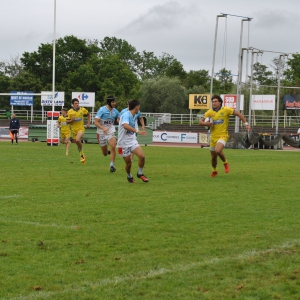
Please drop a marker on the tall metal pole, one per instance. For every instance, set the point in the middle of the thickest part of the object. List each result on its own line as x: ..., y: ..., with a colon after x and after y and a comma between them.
x: 238, y: 90
x: 53, y: 69
x: 214, y: 55
x: 251, y: 87
x: 278, y: 92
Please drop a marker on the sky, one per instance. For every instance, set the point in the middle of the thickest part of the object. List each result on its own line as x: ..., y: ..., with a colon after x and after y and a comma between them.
x: 184, y: 29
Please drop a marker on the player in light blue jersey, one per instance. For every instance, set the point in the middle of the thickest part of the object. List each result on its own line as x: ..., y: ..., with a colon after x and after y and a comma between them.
x: 137, y: 117
x: 104, y: 121
x: 127, y: 142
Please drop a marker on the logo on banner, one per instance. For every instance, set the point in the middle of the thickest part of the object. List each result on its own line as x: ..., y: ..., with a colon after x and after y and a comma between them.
x: 83, y: 96
x: 55, y: 96
x: 199, y: 101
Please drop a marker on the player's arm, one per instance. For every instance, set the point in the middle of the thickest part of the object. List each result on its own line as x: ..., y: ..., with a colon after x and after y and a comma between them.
x: 58, y: 124
x: 132, y: 129
x: 88, y: 124
x: 142, y: 123
x: 204, y: 122
x: 243, y: 119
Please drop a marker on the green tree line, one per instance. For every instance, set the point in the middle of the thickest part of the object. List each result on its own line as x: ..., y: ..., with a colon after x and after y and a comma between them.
x: 114, y: 67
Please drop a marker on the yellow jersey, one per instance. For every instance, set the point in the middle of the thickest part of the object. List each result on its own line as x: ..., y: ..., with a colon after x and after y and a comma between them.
x: 79, y: 117
x: 62, y: 121
x: 220, y: 121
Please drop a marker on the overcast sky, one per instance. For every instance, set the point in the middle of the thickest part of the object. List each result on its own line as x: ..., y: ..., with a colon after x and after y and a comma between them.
x: 182, y: 28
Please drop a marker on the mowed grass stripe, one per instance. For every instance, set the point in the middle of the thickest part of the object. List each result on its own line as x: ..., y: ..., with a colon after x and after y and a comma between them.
x: 181, y: 218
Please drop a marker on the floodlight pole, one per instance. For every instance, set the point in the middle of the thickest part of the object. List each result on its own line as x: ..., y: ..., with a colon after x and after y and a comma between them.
x: 53, y: 71
x: 251, y: 86
x: 278, y: 91
x: 238, y: 89
x: 214, y: 55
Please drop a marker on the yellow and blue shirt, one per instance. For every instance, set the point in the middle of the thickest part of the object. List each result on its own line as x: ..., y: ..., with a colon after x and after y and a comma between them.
x: 78, y: 123
x: 220, y: 121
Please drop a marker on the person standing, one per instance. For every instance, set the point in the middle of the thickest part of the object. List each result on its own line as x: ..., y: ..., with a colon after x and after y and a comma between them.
x: 219, y: 120
x: 76, y: 118
x: 127, y: 141
x: 14, y: 126
x: 104, y: 121
x: 137, y: 117
x: 65, y: 129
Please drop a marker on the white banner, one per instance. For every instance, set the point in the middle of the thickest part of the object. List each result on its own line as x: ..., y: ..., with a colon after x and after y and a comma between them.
x: 59, y: 99
x: 85, y: 99
x: 263, y: 102
x: 230, y: 100
x: 175, y: 137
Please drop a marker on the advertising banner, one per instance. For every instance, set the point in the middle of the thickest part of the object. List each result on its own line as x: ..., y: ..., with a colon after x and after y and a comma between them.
x: 85, y: 99
x: 230, y: 100
x: 59, y: 99
x: 23, y: 133
x: 263, y: 102
x: 175, y: 137
x: 19, y: 98
x: 199, y: 101
x: 291, y: 102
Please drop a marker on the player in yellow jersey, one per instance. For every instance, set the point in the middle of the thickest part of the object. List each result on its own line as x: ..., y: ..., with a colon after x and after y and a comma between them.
x: 76, y: 116
x: 65, y: 129
x: 218, y: 123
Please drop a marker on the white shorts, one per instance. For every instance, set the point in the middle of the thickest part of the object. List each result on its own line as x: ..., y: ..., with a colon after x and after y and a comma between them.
x: 104, y: 138
x: 126, y: 151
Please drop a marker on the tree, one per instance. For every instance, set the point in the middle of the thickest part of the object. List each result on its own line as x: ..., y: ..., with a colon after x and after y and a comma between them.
x: 12, y: 67
x: 293, y: 71
x: 226, y: 84
x: 197, y: 78
x: 161, y: 95
x: 70, y: 54
x: 261, y: 76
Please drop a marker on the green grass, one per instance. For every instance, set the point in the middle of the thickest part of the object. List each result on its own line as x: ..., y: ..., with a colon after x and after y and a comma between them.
x: 69, y: 231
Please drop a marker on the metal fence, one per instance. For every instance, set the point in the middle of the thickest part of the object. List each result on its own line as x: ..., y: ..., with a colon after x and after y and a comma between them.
x: 159, y: 118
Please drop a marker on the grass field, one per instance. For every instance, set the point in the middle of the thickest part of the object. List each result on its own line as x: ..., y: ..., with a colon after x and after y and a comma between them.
x: 69, y: 231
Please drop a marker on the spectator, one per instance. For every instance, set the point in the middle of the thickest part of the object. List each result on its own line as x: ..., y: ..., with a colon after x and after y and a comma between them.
x: 14, y: 127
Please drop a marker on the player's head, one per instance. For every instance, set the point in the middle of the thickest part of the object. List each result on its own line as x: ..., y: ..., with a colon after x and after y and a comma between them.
x: 134, y: 104
x: 75, y: 103
x: 64, y: 111
x: 111, y: 101
x: 217, y: 101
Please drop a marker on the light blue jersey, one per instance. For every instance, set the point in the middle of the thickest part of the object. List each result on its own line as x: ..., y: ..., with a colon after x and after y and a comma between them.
x: 136, y: 116
x: 107, y: 118
x: 125, y: 137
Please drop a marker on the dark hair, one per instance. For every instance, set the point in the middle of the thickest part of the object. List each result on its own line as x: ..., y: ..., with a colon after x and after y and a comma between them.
x: 64, y: 109
x: 133, y: 103
x: 110, y: 99
x: 218, y: 98
x: 74, y: 99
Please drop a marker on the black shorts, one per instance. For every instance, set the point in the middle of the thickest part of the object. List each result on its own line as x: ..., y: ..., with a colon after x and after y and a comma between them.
x: 14, y: 131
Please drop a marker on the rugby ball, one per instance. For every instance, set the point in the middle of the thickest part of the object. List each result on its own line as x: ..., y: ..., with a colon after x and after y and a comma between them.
x: 210, y: 120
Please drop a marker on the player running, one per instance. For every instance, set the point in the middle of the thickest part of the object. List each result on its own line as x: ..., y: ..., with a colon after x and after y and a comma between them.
x: 104, y: 121
x: 65, y: 129
x: 76, y: 116
x: 127, y: 142
x: 219, y: 131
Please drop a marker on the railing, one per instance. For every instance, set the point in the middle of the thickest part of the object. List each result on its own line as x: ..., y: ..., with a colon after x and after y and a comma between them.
x: 190, y: 119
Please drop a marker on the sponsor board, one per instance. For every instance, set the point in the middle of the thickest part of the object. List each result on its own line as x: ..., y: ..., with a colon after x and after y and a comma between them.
x: 23, y: 133
x: 85, y: 99
x: 175, y: 137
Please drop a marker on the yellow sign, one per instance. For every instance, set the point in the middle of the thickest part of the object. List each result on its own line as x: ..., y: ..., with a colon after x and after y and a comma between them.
x: 199, y: 101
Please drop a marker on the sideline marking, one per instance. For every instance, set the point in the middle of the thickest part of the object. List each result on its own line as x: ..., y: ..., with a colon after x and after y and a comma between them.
x: 39, y: 224
x: 10, y: 196
x: 151, y: 273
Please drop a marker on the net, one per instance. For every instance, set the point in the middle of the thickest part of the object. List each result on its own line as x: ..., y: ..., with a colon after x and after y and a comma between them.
x: 244, y: 140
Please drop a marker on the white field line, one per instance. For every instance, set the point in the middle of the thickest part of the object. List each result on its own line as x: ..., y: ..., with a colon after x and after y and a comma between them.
x: 83, y: 286
x: 37, y: 224
x: 10, y: 196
